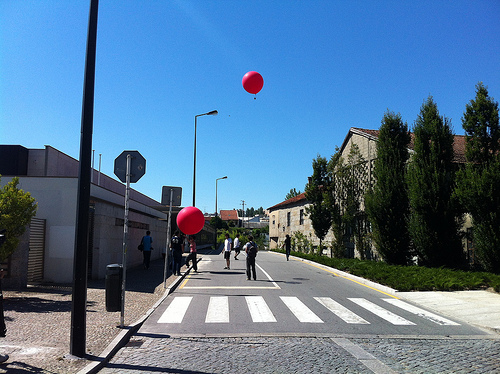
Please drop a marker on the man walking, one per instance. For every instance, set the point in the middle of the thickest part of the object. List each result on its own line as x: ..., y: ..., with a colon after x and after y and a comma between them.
x: 236, y: 246
x: 147, y: 242
x: 228, y: 246
x: 251, y: 251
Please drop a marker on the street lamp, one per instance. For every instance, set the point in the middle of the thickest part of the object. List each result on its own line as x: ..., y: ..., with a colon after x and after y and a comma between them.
x: 215, y: 240
x: 216, y: 193
x: 212, y: 113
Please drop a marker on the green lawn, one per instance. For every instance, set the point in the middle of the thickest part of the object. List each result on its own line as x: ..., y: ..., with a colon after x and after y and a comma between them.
x: 410, y: 278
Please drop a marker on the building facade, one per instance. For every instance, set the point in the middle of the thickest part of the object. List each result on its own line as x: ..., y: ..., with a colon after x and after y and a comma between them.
x: 46, y: 252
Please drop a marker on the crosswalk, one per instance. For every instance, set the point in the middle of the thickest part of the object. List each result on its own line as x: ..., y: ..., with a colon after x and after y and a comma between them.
x: 218, y: 310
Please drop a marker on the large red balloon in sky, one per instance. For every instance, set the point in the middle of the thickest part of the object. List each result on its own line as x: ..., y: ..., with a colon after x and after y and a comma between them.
x: 190, y: 220
x: 252, y: 82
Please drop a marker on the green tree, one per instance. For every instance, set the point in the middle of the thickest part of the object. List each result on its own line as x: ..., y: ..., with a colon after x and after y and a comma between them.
x: 315, y: 192
x: 293, y: 192
x: 434, y: 216
x: 387, y: 204
x: 352, y: 184
x: 478, y: 186
x: 16, y: 210
x: 332, y: 202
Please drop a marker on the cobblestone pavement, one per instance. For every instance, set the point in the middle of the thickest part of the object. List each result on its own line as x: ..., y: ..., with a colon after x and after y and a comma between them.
x: 146, y: 354
x: 38, y: 322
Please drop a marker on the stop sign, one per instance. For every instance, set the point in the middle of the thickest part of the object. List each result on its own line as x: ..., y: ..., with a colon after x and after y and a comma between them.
x: 137, y: 166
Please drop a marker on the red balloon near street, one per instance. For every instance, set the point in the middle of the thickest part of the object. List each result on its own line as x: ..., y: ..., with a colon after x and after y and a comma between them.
x: 252, y: 82
x: 190, y: 220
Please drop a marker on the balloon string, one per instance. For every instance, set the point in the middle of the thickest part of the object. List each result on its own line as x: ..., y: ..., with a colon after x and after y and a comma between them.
x: 255, y: 97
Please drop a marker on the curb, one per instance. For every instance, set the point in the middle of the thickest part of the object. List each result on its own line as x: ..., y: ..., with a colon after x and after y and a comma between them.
x: 124, y: 336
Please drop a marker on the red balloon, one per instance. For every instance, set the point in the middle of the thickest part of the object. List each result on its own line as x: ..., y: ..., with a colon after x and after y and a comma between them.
x: 252, y: 82
x: 190, y: 220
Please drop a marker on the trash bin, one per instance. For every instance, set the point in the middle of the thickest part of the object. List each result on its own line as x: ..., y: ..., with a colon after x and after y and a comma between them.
x: 114, y: 276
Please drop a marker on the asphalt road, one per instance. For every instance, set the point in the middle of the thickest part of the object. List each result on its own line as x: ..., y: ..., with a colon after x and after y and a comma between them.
x: 297, y: 317
x: 289, y: 298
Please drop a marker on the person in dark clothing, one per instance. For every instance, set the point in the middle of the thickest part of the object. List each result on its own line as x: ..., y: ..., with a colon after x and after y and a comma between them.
x: 288, y: 246
x: 176, y: 245
x: 147, y: 242
x: 251, y: 251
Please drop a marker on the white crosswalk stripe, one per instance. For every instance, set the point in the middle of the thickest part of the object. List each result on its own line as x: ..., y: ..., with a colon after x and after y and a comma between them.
x: 381, y: 312
x: 300, y: 310
x: 176, y: 310
x: 259, y: 310
x: 421, y: 312
x: 341, y: 311
x: 218, y: 310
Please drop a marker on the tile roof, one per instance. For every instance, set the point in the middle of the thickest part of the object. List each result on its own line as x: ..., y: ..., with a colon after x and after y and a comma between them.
x: 229, y: 215
x: 293, y: 200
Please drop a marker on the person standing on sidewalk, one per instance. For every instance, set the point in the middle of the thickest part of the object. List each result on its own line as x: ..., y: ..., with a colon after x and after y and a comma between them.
x: 192, y: 253
x: 176, y: 245
x: 228, y: 246
x: 236, y: 246
x: 251, y: 251
x: 288, y: 246
x: 147, y: 242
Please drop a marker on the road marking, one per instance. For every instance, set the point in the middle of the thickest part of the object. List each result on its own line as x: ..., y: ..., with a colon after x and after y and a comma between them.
x: 341, y: 311
x: 381, y: 312
x: 176, y: 310
x: 259, y: 310
x: 422, y: 313
x: 218, y: 310
x: 300, y: 310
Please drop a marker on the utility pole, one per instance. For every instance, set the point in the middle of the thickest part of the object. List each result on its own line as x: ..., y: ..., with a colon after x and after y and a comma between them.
x: 243, y: 220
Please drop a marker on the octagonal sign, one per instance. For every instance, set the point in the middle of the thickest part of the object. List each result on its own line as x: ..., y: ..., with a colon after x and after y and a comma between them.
x: 137, y: 166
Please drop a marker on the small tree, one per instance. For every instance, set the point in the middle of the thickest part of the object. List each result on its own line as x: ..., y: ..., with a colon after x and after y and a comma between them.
x: 315, y: 191
x: 293, y: 192
x: 16, y: 210
x: 387, y: 204
x: 434, y: 216
x: 479, y: 183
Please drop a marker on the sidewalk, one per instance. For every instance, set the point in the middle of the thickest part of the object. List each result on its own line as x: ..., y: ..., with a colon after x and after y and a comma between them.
x: 38, y: 322
x: 39, y: 319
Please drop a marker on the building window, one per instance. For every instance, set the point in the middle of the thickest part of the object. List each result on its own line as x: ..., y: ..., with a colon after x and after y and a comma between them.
x: 288, y: 219
x: 274, y: 221
x: 301, y: 220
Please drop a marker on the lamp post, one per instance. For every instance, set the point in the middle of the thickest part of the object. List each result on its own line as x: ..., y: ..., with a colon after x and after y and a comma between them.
x: 215, y: 241
x: 212, y: 113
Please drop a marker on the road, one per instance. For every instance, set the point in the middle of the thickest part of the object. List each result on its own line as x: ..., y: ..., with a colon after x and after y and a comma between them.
x: 296, y: 317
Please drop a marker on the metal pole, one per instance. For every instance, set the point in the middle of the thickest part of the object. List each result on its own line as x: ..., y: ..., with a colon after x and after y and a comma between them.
x: 79, y: 295
x: 168, y: 239
x: 194, y: 168
x: 125, y: 239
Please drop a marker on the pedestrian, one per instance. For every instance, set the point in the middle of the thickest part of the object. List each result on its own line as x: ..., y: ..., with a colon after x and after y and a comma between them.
x: 192, y: 253
x: 251, y: 251
x: 288, y: 246
x: 147, y: 242
x: 228, y: 246
x: 176, y: 245
x: 236, y: 246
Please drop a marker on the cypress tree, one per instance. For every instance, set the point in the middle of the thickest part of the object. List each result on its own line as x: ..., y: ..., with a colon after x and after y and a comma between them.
x: 434, y: 215
x: 387, y: 204
x: 479, y: 183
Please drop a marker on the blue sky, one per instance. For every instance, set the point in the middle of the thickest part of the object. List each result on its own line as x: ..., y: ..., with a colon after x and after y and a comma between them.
x: 327, y: 66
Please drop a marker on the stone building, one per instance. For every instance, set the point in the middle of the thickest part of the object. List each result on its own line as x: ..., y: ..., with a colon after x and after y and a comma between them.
x: 290, y: 216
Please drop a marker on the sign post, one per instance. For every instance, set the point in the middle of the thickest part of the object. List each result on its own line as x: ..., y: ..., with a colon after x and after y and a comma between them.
x: 174, y: 196
x: 130, y: 166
